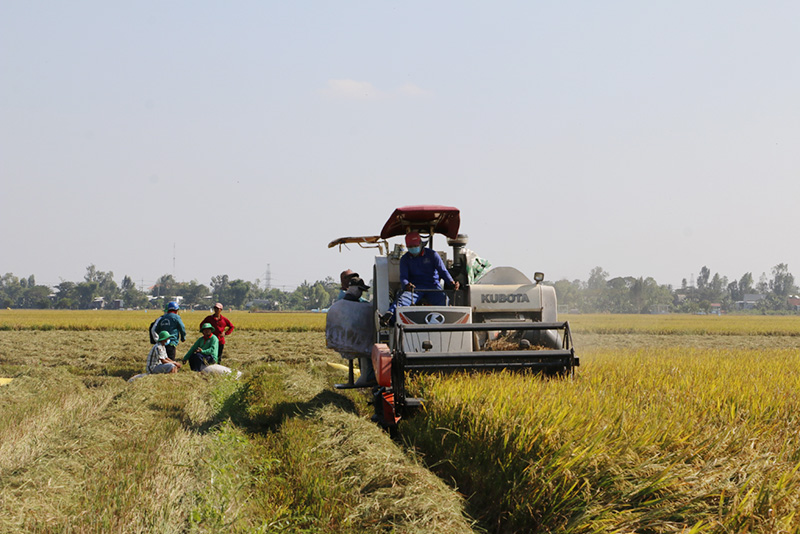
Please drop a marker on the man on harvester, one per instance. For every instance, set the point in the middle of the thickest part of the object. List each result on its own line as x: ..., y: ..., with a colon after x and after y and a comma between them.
x: 421, y: 270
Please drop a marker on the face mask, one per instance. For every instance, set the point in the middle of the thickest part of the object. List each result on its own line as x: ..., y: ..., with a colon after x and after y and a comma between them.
x: 414, y: 250
x: 355, y: 291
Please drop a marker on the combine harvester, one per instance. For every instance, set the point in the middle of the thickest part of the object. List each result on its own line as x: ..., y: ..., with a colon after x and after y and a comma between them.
x: 498, y: 319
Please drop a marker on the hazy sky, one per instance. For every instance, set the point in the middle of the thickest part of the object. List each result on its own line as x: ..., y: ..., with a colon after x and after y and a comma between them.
x: 648, y: 138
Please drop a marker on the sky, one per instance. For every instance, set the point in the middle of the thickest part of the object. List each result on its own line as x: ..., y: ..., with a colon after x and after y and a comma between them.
x: 199, y: 138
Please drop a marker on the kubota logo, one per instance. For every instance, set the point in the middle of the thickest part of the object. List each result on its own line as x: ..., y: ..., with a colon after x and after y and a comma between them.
x: 499, y: 298
x: 434, y: 318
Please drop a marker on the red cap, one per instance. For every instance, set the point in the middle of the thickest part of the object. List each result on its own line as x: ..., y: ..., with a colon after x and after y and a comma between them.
x: 218, y: 305
x: 345, y: 278
x: 413, y: 239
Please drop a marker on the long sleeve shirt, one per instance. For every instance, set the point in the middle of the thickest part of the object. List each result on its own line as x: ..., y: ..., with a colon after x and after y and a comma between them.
x: 208, y: 346
x: 222, y: 326
x: 172, y: 323
x: 424, y: 270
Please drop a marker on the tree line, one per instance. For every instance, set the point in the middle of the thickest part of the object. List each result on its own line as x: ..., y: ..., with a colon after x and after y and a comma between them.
x: 99, y: 287
x: 599, y: 294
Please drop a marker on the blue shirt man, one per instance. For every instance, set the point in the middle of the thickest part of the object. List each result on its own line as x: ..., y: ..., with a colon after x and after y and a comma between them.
x: 420, y: 268
x: 171, y: 322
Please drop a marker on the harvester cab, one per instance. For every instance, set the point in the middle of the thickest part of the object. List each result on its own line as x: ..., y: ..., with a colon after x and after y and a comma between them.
x: 497, y: 318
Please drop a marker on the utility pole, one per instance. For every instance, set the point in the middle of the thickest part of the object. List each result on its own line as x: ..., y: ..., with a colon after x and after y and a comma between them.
x: 268, y: 279
x: 173, y: 259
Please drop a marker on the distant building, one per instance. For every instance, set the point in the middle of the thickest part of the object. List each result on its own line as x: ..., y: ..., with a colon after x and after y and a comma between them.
x: 749, y: 301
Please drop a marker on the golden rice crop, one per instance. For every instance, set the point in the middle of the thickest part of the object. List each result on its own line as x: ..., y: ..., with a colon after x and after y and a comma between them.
x: 659, y: 439
x: 683, y: 324
x: 140, y: 319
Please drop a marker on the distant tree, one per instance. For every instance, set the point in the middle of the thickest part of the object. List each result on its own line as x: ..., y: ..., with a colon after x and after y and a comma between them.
x: 734, y: 294
x: 320, y: 298
x: 164, y: 286
x: 620, y: 293
x: 763, y: 284
x: 11, y: 290
x: 275, y: 299
x: 23, y: 293
x: 66, y: 304
x: 702, y: 278
x: 132, y: 297
x: 219, y: 287
x: 301, y: 297
x: 710, y: 289
x: 238, y: 292
x: 746, y: 285
x: 37, y: 297
x: 568, y: 293
x: 597, y: 278
x: 782, y: 283
x: 127, y: 283
x: 66, y: 295
x: 232, y: 293
x: 91, y: 274
x: 106, y: 287
x: 194, y: 293
x: 718, y: 284
x: 332, y: 286
x: 596, y: 294
x: 639, y: 293
x: 657, y: 297
x: 86, y: 293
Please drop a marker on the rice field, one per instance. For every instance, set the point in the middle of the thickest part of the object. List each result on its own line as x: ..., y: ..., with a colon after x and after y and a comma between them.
x: 140, y: 319
x: 678, y: 325
x: 682, y: 325
x: 681, y: 432
x: 671, y: 424
x: 650, y: 440
x: 279, y: 450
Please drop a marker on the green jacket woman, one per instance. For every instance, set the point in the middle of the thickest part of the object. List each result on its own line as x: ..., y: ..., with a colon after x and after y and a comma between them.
x: 204, y: 351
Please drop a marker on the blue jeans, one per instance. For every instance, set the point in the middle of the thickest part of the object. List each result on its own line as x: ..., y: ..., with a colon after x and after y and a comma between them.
x: 162, y: 368
x: 435, y: 297
x: 199, y: 361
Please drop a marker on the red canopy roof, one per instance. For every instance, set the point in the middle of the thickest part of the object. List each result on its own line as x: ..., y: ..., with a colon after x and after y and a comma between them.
x: 437, y: 219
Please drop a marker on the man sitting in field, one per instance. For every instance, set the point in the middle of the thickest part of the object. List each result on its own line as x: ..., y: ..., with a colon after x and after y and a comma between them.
x: 157, y: 360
